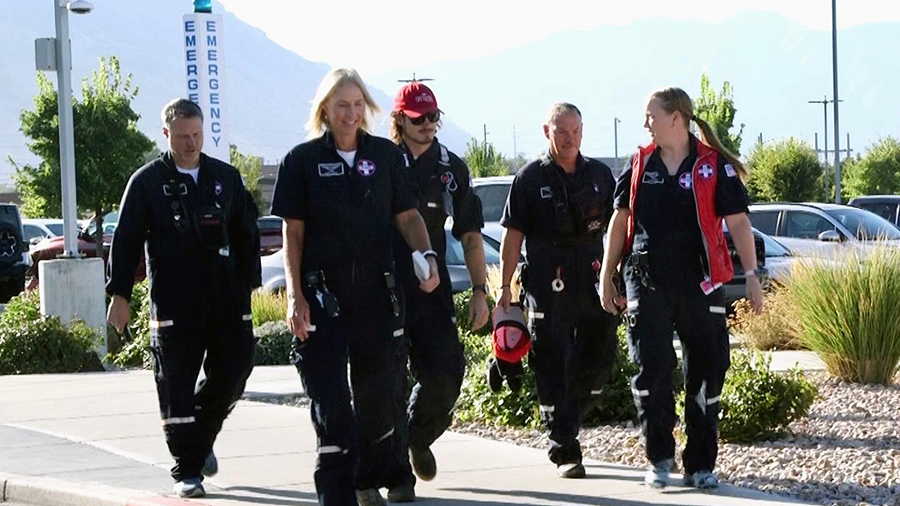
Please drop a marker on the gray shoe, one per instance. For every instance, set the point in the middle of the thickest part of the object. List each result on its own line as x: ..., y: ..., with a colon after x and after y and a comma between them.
x: 189, y: 487
x: 210, y: 465
x: 574, y: 470
x: 658, y: 476
x: 423, y: 462
x: 370, y: 497
x: 704, y: 480
x: 403, y: 493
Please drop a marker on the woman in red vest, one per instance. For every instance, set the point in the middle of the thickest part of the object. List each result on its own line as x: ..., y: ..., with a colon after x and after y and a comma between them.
x: 667, y: 227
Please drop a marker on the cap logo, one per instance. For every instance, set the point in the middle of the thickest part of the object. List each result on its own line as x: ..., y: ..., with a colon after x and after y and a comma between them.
x: 425, y: 97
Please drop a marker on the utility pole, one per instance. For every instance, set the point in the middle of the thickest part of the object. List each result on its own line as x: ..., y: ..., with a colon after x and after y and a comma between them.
x: 760, y: 138
x: 484, y: 146
x: 515, y: 149
x: 825, y: 103
x: 837, y: 138
x: 616, y: 122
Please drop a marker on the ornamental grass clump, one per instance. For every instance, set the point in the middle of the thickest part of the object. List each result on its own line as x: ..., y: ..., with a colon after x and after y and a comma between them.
x: 847, y: 310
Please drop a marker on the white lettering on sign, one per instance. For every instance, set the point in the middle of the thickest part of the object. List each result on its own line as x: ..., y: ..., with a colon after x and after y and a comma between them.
x: 205, y: 72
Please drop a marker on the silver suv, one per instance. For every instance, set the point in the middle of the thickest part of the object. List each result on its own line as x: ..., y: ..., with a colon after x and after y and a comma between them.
x: 822, y: 229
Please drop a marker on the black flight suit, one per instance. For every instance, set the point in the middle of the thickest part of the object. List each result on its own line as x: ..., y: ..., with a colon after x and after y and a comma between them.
x: 563, y: 218
x: 348, y: 211
x: 667, y: 229
x: 202, y: 247
x: 441, y: 182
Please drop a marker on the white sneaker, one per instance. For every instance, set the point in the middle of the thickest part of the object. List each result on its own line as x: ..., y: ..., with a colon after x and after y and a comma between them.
x: 658, y: 476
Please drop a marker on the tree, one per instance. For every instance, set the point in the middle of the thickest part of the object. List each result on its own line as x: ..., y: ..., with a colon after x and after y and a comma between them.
x: 786, y: 170
x: 875, y: 173
x: 250, y: 168
x: 108, y: 146
x: 483, y: 160
x: 517, y: 162
x: 718, y: 110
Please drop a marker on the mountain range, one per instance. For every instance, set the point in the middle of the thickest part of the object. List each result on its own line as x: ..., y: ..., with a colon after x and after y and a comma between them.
x: 774, y: 65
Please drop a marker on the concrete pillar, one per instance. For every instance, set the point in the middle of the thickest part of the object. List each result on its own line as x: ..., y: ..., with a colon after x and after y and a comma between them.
x: 75, y: 288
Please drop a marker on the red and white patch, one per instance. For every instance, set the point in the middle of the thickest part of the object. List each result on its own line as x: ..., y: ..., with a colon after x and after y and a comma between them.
x: 365, y: 167
x: 706, y: 171
x: 686, y: 180
x: 218, y: 188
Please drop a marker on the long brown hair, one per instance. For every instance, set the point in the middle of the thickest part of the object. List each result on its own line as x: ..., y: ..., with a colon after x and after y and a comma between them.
x: 676, y: 99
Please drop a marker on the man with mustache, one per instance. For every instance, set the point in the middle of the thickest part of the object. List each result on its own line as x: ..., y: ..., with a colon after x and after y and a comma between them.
x: 441, y: 182
x: 561, y: 203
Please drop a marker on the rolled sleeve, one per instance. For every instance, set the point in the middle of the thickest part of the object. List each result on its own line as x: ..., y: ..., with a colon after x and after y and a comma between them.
x: 517, y: 212
x: 290, y: 199
x: 468, y: 216
x: 402, y: 198
x: 622, y: 193
x: 731, y: 194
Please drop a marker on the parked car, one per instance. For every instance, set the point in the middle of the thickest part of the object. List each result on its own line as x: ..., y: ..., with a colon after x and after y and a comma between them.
x: 816, y: 229
x: 37, y: 229
x: 492, y: 191
x: 269, y: 235
x: 14, y: 260
x: 273, y: 279
x: 886, y: 206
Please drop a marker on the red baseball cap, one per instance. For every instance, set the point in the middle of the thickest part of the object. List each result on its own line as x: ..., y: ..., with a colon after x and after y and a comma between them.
x: 415, y: 99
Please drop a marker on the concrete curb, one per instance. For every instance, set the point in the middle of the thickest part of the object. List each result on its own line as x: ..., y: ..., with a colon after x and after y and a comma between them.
x: 51, y: 492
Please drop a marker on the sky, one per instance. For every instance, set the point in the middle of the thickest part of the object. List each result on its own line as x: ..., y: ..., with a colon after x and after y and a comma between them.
x: 367, y: 35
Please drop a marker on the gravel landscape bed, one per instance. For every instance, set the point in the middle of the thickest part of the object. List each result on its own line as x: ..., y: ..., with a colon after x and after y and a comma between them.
x: 846, y: 453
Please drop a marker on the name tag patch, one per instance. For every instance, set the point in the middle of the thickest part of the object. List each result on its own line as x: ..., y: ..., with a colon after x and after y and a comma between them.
x: 729, y: 170
x: 652, y: 178
x: 331, y: 169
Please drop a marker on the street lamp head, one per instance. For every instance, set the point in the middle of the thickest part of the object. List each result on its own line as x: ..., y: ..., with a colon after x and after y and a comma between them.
x: 80, y: 7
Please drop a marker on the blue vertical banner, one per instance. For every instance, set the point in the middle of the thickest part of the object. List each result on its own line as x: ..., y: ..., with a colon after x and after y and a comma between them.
x: 204, y: 60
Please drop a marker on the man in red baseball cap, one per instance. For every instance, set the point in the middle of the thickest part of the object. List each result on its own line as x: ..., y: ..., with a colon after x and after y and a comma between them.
x: 441, y: 182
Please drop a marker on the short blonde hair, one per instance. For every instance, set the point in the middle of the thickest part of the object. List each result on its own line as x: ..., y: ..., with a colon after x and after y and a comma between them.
x: 334, y: 79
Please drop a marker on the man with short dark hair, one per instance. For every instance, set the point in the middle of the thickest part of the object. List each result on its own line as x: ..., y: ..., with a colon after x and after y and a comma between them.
x: 202, y: 244
x: 561, y: 203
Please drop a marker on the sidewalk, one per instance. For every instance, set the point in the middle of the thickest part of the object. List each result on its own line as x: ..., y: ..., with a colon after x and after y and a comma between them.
x: 101, y: 430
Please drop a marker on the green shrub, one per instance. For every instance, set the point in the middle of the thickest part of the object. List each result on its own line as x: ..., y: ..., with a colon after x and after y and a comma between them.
x: 44, y: 345
x: 268, y: 307
x: 273, y: 346
x: 21, y: 309
x: 135, y: 353
x: 757, y: 403
x: 848, y: 312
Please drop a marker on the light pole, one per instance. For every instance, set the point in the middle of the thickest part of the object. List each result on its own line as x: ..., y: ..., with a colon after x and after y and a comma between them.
x: 837, y: 138
x: 61, y: 10
x: 616, y: 122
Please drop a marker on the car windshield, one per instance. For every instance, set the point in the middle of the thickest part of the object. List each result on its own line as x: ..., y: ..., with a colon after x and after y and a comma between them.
x: 455, y: 255
x: 774, y: 248
x: 493, y: 199
x: 867, y: 226
x: 56, y: 228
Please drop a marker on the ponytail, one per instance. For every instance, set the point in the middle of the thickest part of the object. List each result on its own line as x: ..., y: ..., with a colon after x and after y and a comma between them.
x: 709, y: 137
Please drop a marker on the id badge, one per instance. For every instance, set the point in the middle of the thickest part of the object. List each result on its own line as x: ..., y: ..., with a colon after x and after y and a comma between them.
x: 707, y: 286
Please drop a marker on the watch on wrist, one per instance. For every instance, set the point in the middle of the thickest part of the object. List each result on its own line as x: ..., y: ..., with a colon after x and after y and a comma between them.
x: 482, y: 288
x: 759, y: 272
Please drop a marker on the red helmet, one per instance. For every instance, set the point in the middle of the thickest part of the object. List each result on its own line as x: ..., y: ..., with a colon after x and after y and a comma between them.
x: 511, y: 338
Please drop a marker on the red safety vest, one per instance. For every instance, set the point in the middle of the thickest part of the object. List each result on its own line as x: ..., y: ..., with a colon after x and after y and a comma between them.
x: 704, y: 175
